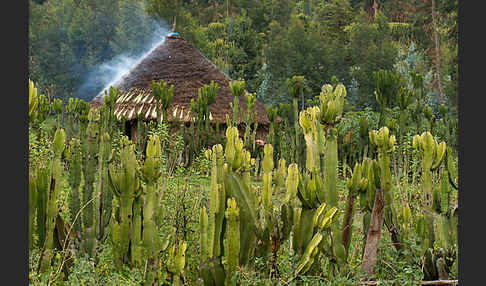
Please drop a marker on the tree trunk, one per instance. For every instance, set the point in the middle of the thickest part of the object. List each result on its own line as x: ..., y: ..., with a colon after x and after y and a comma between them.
x: 348, y: 222
x: 437, y: 52
x: 374, y: 233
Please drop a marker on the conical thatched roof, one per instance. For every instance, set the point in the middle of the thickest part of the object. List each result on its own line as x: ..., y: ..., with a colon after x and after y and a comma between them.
x: 177, y: 63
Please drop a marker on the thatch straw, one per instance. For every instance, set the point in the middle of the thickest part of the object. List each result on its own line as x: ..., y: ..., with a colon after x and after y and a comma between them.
x: 177, y: 63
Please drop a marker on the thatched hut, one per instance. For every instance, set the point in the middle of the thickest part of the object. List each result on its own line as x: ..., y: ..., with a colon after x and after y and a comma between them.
x: 178, y: 63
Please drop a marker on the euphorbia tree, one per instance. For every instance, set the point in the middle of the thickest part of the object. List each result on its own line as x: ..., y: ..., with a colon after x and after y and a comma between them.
x: 163, y: 95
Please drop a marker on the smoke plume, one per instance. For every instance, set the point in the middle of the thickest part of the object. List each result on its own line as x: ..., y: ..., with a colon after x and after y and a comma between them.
x: 109, y: 73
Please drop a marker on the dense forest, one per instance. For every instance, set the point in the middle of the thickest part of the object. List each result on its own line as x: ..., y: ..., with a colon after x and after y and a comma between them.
x: 262, y: 42
x: 354, y: 180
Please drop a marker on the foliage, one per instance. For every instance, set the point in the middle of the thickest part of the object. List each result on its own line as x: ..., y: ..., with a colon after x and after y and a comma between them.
x: 69, y: 40
x: 195, y: 214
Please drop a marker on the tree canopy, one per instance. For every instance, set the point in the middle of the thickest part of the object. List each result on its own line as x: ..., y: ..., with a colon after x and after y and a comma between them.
x: 262, y: 42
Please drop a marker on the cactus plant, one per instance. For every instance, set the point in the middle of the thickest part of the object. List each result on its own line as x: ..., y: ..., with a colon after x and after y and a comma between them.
x: 272, y: 137
x: 296, y: 86
x: 249, y: 135
x: 330, y: 113
x: 44, y: 108
x: 33, y: 101
x: 235, y: 105
x: 237, y: 87
x: 438, y: 201
x: 105, y: 198
x: 432, y: 155
x: 43, y: 183
x: 176, y: 262
x: 70, y: 122
x: 32, y: 207
x: 262, y: 228
x: 232, y: 247
x: 150, y: 174
x: 56, y: 106
x: 54, y: 190
x: 124, y: 182
x: 357, y: 184
x: 385, y: 145
x: 323, y: 223
x: 89, y: 168
x: 200, y: 108
x: 74, y: 158
x: 136, y: 242
x: 163, y: 95
x: 371, y: 171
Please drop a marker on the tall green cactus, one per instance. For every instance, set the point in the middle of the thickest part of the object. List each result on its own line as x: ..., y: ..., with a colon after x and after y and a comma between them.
x: 385, y: 145
x: 176, y: 262
x: 56, y: 106
x: 32, y: 207
x: 74, y: 158
x: 52, y: 197
x: 151, y: 171
x: 89, y: 168
x: 438, y: 201
x: 230, y: 179
x: 322, y: 223
x: 267, y: 180
x: 262, y: 228
x: 296, y: 86
x: 43, y: 183
x: 124, y: 182
x: 356, y: 184
x: 163, y: 95
x: 217, y: 201
x: 204, y: 239
x: 320, y: 134
x: 105, y: 197
x: 236, y: 179
x: 370, y: 170
x: 201, y: 109
x: 237, y: 87
x: 136, y: 242
x: 432, y: 155
x: 272, y: 137
x: 310, y: 192
x: 87, y: 157
x: 291, y: 182
x: 33, y: 101
x: 330, y: 113
x: 250, y: 118
x: 235, y: 107
x: 232, y: 247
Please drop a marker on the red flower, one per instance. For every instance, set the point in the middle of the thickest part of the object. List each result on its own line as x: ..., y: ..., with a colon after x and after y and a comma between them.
x: 260, y: 142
